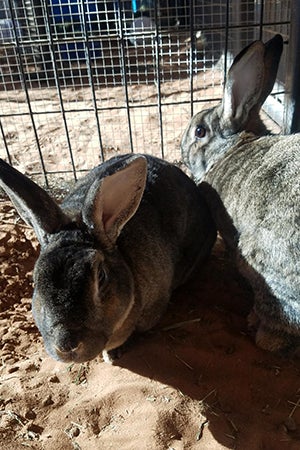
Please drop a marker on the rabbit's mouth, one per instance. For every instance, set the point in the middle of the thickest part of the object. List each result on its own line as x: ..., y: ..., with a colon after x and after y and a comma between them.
x: 80, y: 354
x: 76, y: 347
x: 72, y: 355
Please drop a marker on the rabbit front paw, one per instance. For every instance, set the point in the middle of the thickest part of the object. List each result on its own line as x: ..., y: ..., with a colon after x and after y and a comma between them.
x: 109, y: 356
x: 269, y: 340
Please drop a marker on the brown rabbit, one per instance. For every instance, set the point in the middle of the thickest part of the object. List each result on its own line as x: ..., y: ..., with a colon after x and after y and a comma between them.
x: 131, y: 231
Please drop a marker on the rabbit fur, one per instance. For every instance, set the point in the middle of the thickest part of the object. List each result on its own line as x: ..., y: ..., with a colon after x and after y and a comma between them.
x: 251, y: 181
x: 131, y: 231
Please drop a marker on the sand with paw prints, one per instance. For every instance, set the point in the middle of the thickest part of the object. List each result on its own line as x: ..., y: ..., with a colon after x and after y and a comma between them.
x: 195, y: 382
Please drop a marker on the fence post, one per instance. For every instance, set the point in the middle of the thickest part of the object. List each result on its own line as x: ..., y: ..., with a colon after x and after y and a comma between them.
x: 292, y: 96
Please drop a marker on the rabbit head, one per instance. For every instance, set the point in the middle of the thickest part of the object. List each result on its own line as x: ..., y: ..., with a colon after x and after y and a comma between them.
x: 213, y: 131
x: 74, y: 290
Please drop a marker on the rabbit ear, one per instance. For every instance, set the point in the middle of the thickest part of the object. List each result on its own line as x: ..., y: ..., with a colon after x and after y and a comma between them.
x: 250, y: 80
x: 114, y: 200
x: 273, y: 51
x: 243, y: 86
x: 33, y: 204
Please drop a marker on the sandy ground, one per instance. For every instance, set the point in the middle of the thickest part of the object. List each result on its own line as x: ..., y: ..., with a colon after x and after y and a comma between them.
x: 195, y: 382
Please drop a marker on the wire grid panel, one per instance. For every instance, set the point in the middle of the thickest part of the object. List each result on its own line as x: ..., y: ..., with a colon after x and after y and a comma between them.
x: 84, y: 80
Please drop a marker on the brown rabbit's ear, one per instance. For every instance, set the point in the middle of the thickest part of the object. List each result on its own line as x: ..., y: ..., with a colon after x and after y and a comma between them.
x: 32, y: 202
x: 249, y: 82
x: 113, y: 200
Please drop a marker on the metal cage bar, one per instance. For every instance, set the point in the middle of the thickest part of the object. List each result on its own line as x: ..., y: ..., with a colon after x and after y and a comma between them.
x: 59, y: 92
x: 91, y: 79
x: 292, y: 100
x: 25, y: 89
x: 125, y: 76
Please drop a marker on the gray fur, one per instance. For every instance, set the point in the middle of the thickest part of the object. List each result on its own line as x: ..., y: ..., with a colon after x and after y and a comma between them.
x: 130, y: 232
x: 252, y: 184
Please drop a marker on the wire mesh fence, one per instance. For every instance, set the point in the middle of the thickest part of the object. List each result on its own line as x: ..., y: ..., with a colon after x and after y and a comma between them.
x: 84, y: 80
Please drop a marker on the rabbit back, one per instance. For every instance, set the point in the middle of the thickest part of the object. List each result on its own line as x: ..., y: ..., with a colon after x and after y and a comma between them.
x: 254, y: 197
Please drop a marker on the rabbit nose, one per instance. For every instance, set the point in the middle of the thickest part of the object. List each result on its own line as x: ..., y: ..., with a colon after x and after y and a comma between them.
x: 67, y: 342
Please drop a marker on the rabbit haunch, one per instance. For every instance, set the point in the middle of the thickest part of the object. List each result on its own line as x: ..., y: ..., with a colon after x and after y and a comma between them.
x: 251, y: 182
x: 130, y: 232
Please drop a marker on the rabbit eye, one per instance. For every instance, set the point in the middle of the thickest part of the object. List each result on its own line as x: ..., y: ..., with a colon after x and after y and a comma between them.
x: 200, y: 132
x: 101, y: 276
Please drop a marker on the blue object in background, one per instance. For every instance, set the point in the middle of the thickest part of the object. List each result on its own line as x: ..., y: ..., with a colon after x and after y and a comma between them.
x: 69, y: 21
x: 140, y: 6
x: 7, y: 32
x: 134, y: 6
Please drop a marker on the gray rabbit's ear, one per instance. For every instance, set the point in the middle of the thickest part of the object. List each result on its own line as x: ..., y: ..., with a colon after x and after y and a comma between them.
x: 273, y: 51
x: 249, y: 82
x: 33, y: 204
x: 113, y: 200
x: 243, y: 86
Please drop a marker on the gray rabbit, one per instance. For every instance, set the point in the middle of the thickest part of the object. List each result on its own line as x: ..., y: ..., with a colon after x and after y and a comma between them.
x: 251, y: 181
x: 131, y: 231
